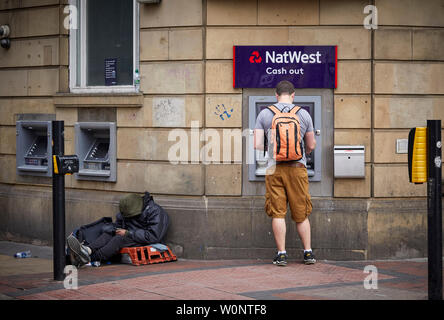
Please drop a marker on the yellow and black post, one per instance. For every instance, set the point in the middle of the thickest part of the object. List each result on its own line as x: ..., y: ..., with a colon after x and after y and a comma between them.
x: 61, y: 165
x: 418, y: 155
x: 424, y: 160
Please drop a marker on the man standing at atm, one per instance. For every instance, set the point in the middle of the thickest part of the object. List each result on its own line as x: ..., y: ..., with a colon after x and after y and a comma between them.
x: 286, y: 182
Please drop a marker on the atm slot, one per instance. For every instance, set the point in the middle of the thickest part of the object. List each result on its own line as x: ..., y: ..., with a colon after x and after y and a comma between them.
x: 94, y: 173
x: 32, y: 168
x: 96, y: 165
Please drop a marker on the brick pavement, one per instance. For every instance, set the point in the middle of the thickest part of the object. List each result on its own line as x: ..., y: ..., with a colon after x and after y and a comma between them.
x: 32, y: 279
x: 225, y: 280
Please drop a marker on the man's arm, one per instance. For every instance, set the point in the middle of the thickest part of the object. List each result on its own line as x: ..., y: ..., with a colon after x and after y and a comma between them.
x: 310, y: 142
x: 259, y: 139
x: 259, y: 133
x: 145, y: 236
x: 156, y: 224
x: 121, y: 232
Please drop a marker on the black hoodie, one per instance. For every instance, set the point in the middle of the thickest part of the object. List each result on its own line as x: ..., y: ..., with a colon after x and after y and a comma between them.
x: 149, y: 227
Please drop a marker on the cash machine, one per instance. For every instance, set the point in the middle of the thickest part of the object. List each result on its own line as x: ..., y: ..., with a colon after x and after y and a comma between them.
x: 34, y: 151
x: 96, y: 149
x: 258, y: 158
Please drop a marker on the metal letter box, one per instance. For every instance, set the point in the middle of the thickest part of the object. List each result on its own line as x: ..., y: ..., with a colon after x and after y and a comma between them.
x: 349, y: 161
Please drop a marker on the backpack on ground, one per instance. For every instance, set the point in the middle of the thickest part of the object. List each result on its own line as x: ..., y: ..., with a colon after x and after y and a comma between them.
x: 286, y: 134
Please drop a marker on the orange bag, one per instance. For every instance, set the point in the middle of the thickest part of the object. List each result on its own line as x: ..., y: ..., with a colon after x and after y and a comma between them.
x: 286, y: 134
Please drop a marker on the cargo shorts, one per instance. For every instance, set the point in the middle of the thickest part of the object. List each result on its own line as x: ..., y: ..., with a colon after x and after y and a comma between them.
x: 288, y: 185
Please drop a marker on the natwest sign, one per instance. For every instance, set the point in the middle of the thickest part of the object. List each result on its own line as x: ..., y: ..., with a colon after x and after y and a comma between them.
x: 304, y: 66
x: 292, y: 57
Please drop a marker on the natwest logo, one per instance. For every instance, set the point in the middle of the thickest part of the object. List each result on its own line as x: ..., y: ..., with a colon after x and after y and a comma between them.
x: 292, y: 57
x: 255, y: 57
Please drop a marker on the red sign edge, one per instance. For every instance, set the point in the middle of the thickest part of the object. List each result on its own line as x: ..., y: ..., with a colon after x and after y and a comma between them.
x: 336, y: 67
x: 234, y: 67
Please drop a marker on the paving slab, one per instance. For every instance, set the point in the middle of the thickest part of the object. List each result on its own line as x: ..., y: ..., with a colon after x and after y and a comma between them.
x: 32, y: 279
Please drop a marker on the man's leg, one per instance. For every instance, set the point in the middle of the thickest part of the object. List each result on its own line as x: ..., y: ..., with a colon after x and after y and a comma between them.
x: 303, y: 229
x: 111, y: 248
x: 296, y: 182
x: 279, y: 231
x: 81, y: 254
x: 100, y: 242
x: 304, y: 232
x: 276, y: 208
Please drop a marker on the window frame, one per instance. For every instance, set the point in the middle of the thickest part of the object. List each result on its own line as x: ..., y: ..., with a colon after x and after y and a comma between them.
x: 77, y: 36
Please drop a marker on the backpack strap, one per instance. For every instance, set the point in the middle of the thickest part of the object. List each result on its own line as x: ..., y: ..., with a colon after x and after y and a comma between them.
x: 295, y: 109
x: 274, y: 109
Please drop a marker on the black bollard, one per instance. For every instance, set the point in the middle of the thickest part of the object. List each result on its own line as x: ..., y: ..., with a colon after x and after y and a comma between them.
x: 434, y: 210
x: 58, y: 202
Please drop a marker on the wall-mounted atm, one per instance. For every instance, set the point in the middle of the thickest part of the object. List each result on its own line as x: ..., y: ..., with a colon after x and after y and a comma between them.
x: 256, y: 168
x: 34, y: 149
x: 96, y: 149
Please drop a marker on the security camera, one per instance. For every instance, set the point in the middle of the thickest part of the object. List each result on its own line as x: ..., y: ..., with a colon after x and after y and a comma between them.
x: 4, y: 31
x: 5, y: 43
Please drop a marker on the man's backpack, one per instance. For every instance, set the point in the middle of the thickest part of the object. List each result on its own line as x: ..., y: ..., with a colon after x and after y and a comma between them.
x: 286, y: 134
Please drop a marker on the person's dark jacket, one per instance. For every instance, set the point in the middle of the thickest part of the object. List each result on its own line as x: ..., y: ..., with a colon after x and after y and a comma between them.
x: 146, y: 228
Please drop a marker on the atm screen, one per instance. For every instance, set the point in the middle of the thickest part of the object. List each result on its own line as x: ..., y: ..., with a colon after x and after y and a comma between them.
x: 99, y: 151
x: 38, y: 148
x: 97, y: 158
x: 36, y: 155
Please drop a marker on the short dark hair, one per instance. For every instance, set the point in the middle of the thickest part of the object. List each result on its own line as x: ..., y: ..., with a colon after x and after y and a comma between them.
x: 284, y: 86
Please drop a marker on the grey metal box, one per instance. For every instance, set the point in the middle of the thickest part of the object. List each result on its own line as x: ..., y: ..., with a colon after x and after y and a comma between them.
x: 349, y: 161
x: 96, y: 149
x: 34, y: 148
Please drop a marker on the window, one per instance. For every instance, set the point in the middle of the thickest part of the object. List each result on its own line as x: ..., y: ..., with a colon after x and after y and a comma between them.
x: 104, y: 47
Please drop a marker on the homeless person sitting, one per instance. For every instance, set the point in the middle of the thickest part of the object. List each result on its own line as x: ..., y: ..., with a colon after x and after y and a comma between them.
x: 140, y: 222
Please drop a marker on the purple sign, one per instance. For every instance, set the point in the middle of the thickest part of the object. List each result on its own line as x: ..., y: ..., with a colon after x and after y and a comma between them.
x: 304, y: 66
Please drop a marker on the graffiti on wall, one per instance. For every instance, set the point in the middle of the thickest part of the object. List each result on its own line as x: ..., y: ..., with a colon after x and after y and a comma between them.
x: 223, y: 112
x: 169, y: 112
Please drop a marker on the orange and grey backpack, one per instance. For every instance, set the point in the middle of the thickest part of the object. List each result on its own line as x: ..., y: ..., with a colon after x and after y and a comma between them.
x: 286, y: 134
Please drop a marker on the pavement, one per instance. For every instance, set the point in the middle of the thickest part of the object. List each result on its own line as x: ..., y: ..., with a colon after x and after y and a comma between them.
x: 32, y: 279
